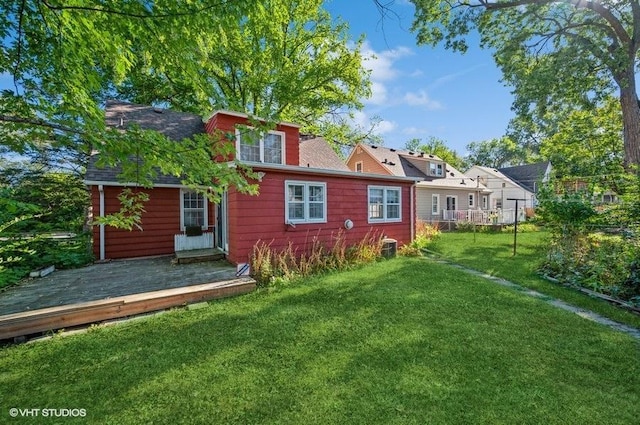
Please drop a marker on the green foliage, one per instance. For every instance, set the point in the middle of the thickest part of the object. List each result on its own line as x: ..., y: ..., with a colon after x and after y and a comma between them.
x: 581, y: 255
x: 557, y: 56
x: 406, y: 341
x: 497, y: 153
x: 588, y: 143
x: 60, y: 200
x: 32, y: 205
x: 437, y: 147
x: 130, y: 213
x: 426, y: 234
x: 280, y: 60
x: 522, y: 228
x: 269, y: 267
x: 492, y: 253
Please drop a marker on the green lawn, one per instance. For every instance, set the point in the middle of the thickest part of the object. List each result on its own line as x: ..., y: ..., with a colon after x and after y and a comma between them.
x: 398, y: 342
x: 493, y: 253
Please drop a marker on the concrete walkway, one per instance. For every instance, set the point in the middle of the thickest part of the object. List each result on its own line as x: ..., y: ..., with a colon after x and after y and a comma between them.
x: 587, y: 314
x: 109, y: 280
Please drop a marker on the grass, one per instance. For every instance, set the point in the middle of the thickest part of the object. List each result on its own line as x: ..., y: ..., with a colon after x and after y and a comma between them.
x: 404, y: 341
x: 492, y: 253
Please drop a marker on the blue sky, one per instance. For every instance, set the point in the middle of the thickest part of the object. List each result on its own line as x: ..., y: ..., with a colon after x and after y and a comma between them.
x: 420, y: 91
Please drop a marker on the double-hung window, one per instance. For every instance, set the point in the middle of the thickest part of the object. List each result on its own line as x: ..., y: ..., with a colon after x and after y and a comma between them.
x: 193, y: 208
x: 253, y: 146
x: 435, y: 204
x: 436, y: 169
x: 384, y: 204
x: 306, y: 202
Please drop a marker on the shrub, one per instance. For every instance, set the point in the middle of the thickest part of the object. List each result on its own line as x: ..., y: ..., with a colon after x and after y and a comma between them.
x: 270, y: 267
x: 426, y: 234
x: 525, y: 227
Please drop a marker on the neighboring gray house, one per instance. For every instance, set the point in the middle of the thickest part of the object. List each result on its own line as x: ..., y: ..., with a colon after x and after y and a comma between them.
x: 521, y: 182
x: 442, y: 194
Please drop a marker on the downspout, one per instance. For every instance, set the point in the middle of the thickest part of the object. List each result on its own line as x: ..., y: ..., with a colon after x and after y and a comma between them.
x: 102, y: 252
x: 413, y: 213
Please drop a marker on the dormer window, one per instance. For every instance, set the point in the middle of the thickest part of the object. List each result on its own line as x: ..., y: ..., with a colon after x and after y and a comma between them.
x: 436, y: 169
x: 253, y: 146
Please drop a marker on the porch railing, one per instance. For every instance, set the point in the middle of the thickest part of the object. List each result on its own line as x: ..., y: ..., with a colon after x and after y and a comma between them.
x: 499, y: 216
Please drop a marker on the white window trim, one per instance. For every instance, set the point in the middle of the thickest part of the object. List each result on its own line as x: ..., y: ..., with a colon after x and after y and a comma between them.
x: 436, y: 204
x: 283, y: 159
x: 471, y: 200
x: 436, y: 165
x: 306, y: 185
x: 384, y: 203
x: 485, y: 202
x: 361, y: 164
x: 205, y: 222
x: 455, y: 201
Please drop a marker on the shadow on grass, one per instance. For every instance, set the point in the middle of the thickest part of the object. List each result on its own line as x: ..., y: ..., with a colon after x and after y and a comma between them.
x: 392, y: 342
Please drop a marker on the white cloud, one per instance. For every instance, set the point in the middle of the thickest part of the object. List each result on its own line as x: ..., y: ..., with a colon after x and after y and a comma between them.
x: 384, y: 127
x: 378, y: 94
x: 364, y: 122
x: 421, y: 98
x: 382, y: 67
x: 415, y: 131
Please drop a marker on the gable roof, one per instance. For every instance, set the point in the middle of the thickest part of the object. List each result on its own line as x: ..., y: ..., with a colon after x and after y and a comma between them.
x: 175, y: 125
x: 528, y: 175
x: 455, y: 180
x: 397, y: 162
x: 316, y: 153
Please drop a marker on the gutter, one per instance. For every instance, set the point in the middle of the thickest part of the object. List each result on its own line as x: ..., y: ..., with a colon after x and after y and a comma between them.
x: 102, y: 242
x: 413, y: 212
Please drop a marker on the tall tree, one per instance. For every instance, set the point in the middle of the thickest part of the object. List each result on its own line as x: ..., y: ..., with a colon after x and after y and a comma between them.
x: 496, y: 153
x: 437, y: 147
x: 556, y: 54
x: 67, y: 58
x: 284, y: 60
x: 588, y: 145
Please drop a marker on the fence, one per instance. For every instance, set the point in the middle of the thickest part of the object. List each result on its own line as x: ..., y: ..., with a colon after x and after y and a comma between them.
x: 498, y: 216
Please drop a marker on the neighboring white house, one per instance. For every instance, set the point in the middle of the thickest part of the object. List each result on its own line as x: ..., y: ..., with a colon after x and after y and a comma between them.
x: 520, y: 182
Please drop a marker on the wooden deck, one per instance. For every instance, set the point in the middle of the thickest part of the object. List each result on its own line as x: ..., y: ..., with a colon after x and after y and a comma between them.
x: 66, y: 316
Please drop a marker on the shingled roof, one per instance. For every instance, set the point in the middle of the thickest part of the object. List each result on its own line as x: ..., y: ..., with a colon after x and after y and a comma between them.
x: 528, y: 175
x: 316, y: 153
x: 175, y: 125
x: 397, y: 162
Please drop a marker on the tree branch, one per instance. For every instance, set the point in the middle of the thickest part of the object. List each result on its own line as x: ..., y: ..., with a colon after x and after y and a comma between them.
x: 593, y: 5
x: 135, y: 15
x: 39, y: 123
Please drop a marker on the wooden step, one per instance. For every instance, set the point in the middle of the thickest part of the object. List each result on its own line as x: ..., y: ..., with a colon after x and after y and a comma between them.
x: 199, y: 255
x: 53, y: 318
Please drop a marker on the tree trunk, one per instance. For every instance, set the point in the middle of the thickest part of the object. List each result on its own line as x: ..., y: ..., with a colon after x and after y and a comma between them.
x: 630, y: 121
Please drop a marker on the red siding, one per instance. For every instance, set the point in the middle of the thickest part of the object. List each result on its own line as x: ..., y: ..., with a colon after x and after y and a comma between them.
x: 160, y: 222
x: 227, y: 123
x: 254, y: 218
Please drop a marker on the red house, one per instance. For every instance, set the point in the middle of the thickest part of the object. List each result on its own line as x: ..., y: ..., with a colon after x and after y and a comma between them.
x: 306, y: 193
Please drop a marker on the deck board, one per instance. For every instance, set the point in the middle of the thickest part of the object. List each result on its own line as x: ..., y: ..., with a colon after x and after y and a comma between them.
x: 54, y: 318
